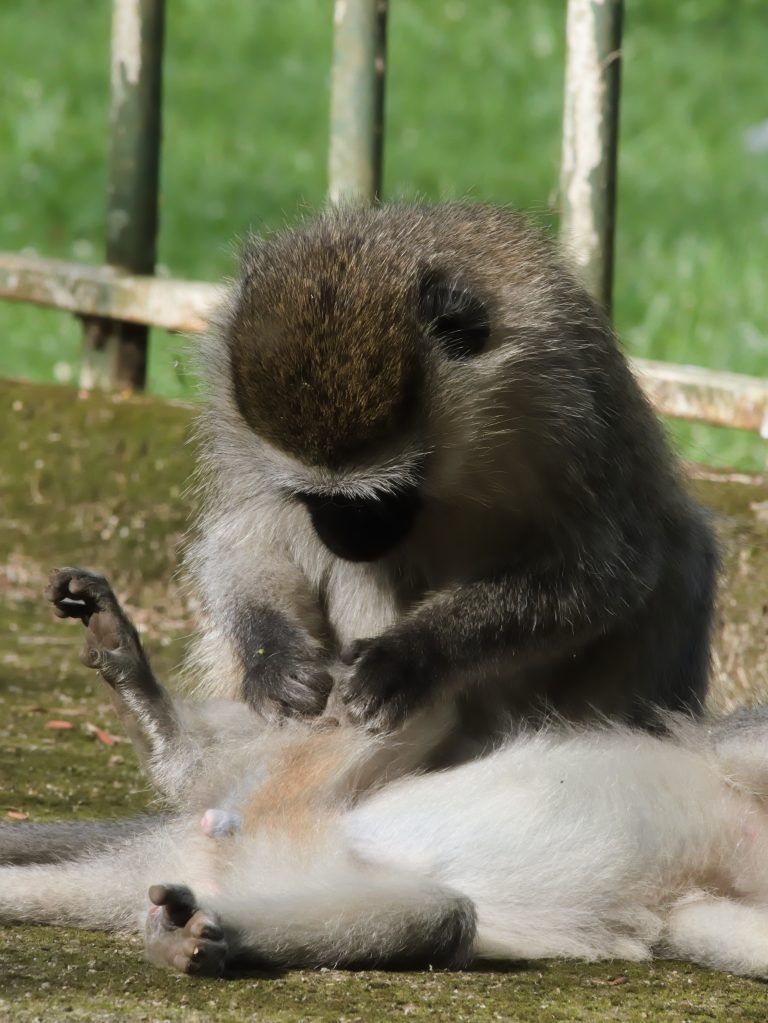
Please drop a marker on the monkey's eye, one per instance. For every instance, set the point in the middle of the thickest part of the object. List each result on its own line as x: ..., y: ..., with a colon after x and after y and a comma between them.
x: 455, y: 317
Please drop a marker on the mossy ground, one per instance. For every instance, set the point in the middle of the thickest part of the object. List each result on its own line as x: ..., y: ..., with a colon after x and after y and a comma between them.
x: 101, y: 481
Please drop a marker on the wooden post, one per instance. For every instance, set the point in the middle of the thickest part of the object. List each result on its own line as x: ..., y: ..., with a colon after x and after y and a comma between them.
x: 357, y: 100
x: 115, y: 352
x: 590, y: 140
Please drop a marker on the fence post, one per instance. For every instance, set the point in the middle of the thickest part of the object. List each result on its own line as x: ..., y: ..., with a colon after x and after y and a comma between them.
x: 357, y: 100
x: 115, y: 352
x: 590, y: 140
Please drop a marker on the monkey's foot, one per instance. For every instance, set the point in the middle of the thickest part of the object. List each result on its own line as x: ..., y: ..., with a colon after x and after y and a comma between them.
x: 112, y: 644
x: 181, y: 936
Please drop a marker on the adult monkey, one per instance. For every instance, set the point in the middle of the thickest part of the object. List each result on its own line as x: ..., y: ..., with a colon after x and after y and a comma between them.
x: 428, y: 461
x: 432, y: 478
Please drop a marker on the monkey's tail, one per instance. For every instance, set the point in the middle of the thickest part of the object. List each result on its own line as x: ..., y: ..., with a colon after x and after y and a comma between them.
x: 60, y: 841
x: 105, y: 891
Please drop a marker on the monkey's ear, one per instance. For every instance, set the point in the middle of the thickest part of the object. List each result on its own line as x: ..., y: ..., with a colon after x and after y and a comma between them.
x: 454, y: 315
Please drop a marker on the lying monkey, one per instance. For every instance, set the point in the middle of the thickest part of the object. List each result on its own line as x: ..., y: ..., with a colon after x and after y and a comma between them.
x: 309, y: 845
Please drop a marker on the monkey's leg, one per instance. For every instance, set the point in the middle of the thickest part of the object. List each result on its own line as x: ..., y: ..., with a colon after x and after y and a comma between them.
x: 113, y: 648
x: 69, y: 840
x: 359, y: 918
x: 719, y: 933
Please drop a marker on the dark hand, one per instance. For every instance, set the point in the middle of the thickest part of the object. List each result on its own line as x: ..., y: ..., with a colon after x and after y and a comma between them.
x: 388, y: 679
x: 285, y: 671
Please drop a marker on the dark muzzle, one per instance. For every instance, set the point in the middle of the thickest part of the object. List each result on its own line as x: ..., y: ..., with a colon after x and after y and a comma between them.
x: 362, y: 529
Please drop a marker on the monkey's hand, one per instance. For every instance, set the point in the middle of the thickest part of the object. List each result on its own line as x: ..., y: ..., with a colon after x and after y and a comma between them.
x: 284, y: 670
x: 386, y: 680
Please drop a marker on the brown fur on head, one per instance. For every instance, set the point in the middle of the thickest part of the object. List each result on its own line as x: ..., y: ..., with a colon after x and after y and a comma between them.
x: 335, y: 323
x: 326, y: 363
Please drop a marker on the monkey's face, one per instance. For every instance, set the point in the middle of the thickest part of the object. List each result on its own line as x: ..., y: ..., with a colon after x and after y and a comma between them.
x: 336, y: 343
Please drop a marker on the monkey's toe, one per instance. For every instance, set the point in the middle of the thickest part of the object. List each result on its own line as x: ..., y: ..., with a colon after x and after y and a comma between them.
x: 181, y: 936
x: 78, y: 593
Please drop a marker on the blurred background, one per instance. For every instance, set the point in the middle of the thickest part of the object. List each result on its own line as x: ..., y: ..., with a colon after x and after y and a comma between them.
x: 474, y: 107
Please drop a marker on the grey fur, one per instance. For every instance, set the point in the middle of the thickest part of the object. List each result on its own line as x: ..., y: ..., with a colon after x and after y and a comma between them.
x: 555, y: 561
x: 67, y: 840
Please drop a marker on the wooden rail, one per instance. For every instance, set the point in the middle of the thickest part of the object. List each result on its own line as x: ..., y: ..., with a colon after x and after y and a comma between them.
x: 107, y: 293
x: 685, y: 392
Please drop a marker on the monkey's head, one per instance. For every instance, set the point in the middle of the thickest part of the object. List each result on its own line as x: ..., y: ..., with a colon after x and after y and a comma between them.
x: 353, y: 346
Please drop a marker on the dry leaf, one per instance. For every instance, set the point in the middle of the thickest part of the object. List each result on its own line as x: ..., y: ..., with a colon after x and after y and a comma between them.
x: 17, y: 815
x: 59, y: 726
x: 101, y: 735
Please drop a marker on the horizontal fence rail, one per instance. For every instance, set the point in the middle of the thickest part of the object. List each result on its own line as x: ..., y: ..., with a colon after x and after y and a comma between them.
x: 683, y: 392
x: 107, y: 292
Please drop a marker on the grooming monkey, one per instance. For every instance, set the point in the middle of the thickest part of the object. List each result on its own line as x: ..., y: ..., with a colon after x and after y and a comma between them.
x: 432, y: 479
x: 573, y: 843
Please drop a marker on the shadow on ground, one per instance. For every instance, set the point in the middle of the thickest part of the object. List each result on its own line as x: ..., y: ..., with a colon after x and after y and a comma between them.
x: 102, y: 482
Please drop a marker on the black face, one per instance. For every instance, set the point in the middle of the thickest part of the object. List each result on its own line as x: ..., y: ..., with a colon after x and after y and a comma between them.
x: 362, y: 529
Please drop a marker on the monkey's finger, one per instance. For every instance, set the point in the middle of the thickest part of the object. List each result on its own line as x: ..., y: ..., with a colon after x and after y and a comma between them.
x: 202, y: 926
x: 58, y: 583
x: 69, y: 608
x: 182, y: 963
x: 67, y: 603
x: 92, y: 583
x: 178, y: 901
x: 204, y: 958
x: 90, y: 656
x: 353, y: 650
x: 326, y: 723
x: 62, y: 582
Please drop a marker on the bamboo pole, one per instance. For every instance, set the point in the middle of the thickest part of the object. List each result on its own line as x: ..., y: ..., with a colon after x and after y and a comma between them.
x: 358, y: 79
x: 590, y: 141
x: 115, y: 352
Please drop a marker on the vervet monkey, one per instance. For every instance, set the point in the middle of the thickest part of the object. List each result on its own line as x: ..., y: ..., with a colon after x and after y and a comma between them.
x: 432, y: 478
x: 284, y: 849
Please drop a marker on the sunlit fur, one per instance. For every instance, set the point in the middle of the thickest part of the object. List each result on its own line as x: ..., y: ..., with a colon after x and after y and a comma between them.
x: 548, y: 492
x: 587, y: 843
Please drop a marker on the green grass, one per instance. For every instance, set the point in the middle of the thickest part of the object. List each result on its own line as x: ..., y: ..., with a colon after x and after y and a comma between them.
x: 474, y: 107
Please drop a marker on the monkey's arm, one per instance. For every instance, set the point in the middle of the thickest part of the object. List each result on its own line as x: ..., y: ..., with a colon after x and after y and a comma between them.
x: 511, y: 620
x: 265, y: 639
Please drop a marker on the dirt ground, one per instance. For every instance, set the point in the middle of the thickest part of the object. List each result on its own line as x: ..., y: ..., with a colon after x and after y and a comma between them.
x: 104, y: 482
